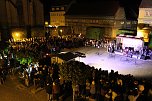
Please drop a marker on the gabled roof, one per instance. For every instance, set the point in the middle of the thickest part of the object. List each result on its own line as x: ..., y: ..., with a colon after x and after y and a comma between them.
x: 101, y: 8
x: 146, y: 4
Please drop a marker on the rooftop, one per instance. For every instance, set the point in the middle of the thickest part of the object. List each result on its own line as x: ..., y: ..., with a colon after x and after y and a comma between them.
x: 146, y: 4
x: 101, y: 8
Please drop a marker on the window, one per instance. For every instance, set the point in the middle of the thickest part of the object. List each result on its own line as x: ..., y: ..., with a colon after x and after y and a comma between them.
x: 134, y: 22
x: 62, y: 8
x: 57, y: 8
x: 146, y: 13
x: 128, y: 22
x: 53, y: 9
x: 97, y: 21
x: 122, y: 22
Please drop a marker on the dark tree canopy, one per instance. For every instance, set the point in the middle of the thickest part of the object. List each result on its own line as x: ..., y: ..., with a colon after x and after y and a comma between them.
x: 76, y: 72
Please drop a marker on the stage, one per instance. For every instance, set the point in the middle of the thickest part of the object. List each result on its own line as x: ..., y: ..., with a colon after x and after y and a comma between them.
x: 100, y: 58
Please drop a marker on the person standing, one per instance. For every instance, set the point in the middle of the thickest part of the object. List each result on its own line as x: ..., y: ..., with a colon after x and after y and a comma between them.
x: 49, y: 91
x: 92, y: 89
x: 88, y: 88
x: 55, y: 91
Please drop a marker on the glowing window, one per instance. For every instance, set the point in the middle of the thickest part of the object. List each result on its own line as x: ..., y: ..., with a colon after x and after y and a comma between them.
x: 122, y: 22
x: 62, y: 8
x: 57, y: 8
x: 147, y: 13
x: 53, y: 9
x: 128, y: 22
x: 135, y: 22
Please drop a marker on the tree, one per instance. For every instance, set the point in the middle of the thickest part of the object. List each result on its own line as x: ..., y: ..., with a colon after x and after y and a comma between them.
x: 26, y: 56
x: 75, y: 72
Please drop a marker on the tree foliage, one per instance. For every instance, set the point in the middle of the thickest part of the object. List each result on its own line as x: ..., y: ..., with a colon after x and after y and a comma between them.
x: 75, y: 71
x: 27, y: 56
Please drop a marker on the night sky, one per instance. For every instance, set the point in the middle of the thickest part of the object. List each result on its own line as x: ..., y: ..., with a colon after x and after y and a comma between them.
x: 131, y: 7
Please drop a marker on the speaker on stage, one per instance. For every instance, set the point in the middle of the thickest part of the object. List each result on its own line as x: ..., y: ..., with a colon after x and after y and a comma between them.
x: 147, y: 57
x: 144, y: 57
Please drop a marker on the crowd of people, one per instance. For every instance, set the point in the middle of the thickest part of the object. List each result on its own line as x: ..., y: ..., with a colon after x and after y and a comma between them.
x: 49, y: 44
x: 101, y: 86
x: 97, y: 43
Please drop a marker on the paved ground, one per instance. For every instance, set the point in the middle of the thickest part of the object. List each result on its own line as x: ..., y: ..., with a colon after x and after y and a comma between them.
x: 99, y: 58
x: 13, y: 90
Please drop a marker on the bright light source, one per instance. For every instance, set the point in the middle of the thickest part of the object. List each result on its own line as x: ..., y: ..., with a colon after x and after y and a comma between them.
x: 46, y: 23
x: 18, y: 35
x: 56, y: 26
x: 50, y: 25
x: 80, y: 35
x: 61, y: 30
x: 140, y: 33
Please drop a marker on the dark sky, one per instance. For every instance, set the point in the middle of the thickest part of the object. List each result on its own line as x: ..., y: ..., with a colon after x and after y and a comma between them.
x: 131, y: 7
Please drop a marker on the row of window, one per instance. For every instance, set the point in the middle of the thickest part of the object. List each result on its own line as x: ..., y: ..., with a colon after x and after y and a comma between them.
x: 148, y: 13
x: 88, y: 21
x: 123, y: 26
x: 57, y: 8
x: 56, y: 20
x: 57, y: 14
x: 101, y: 21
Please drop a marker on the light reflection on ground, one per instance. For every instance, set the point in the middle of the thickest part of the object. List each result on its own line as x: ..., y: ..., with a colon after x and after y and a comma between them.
x: 99, y: 58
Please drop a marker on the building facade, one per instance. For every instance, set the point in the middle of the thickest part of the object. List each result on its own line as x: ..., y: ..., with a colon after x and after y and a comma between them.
x: 21, y: 18
x: 57, y: 16
x: 145, y: 20
x: 145, y: 12
x: 96, y: 20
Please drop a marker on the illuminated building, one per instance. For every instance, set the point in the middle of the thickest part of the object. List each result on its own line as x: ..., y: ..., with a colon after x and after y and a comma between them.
x: 57, y: 13
x: 57, y: 16
x: 21, y: 16
x: 145, y: 12
x: 98, y: 20
x: 145, y: 20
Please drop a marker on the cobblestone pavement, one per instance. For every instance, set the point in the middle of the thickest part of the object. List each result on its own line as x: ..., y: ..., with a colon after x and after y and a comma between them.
x: 13, y: 90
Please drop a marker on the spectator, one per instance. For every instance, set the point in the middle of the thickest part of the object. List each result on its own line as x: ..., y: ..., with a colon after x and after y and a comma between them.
x: 88, y: 85
x: 76, y: 90
x: 93, y: 90
x: 56, y: 91
x: 49, y: 91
